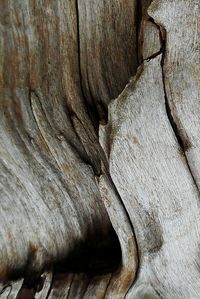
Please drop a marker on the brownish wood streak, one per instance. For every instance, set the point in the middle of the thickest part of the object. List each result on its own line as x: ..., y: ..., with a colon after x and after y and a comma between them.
x: 40, y: 62
x: 108, y: 50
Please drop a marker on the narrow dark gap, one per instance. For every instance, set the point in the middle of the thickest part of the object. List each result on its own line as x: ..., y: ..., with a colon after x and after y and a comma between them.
x: 182, y: 143
x: 168, y: 110
x: 138, y: 20
x: 163, y: 36
x: 91, y: 109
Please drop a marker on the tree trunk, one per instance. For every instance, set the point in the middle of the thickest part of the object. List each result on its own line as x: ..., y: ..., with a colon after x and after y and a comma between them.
x: 100, y: 150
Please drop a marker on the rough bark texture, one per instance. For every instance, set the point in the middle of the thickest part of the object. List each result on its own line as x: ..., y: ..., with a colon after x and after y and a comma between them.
x: 99, y: 182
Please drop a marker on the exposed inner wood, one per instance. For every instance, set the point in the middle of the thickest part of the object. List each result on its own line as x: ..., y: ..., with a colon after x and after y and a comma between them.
x: 95, y: 206
x: 181, y: 76
x: 147, y: 153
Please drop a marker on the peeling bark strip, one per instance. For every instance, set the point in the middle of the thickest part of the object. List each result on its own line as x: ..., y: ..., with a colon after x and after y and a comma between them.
x: 84, y: 208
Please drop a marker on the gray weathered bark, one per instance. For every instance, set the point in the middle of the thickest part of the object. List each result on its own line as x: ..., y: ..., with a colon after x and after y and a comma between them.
x: 99, y: 151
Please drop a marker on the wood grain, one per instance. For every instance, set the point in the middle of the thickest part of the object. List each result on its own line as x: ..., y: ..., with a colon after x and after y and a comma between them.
x: 181, y: 72
x: 102, y: 210
x: 50, y: 152
x: 108, y: 49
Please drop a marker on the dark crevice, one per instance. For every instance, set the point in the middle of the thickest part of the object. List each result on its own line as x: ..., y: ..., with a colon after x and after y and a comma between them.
x: 68, y: 294
x: 138, y: 21
x: 51, y: 285
x: 153, y: 56
x: 182, y: 143
x: 91, y: 109
x: 167, y: 105
x: 105, y: 293
x: 97, y: 256
x: 31, y: 285
x: 4, y: 288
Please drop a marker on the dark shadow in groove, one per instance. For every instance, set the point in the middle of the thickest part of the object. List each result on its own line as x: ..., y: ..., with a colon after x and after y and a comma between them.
x: 96, y: 257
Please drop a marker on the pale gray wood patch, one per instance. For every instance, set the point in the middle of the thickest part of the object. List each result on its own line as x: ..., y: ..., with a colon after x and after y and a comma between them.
x: 181, y: 21
x: 151, y: 39
x: 10, y: 290
x: 155, y: 184
x: 149, y: 43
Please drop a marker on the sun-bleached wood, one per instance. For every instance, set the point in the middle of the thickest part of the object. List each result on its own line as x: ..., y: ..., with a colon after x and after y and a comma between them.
x: 155, y: 178
x: 181, y: 72
x: 68, y: 181
x: 156, y: 186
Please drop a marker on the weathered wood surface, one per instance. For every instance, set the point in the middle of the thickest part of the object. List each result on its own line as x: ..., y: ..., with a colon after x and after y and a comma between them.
x: 50, y: 153
x: 10, y: 290
x: 73, y: 192
x: 152, y: 161
x: 163, y: 201
x: 182, y: 71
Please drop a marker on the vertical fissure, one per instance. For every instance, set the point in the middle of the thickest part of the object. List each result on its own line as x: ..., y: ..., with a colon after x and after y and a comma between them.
x: 138, y: 20
x: 180, y: 140
x: 79, y: 46
x: 91, y: 110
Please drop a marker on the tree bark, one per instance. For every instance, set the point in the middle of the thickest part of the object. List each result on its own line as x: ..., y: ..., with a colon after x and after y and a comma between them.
x: 99, y: 151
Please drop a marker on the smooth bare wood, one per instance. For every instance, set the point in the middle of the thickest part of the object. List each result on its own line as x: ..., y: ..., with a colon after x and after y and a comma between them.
x: 151, y: 40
